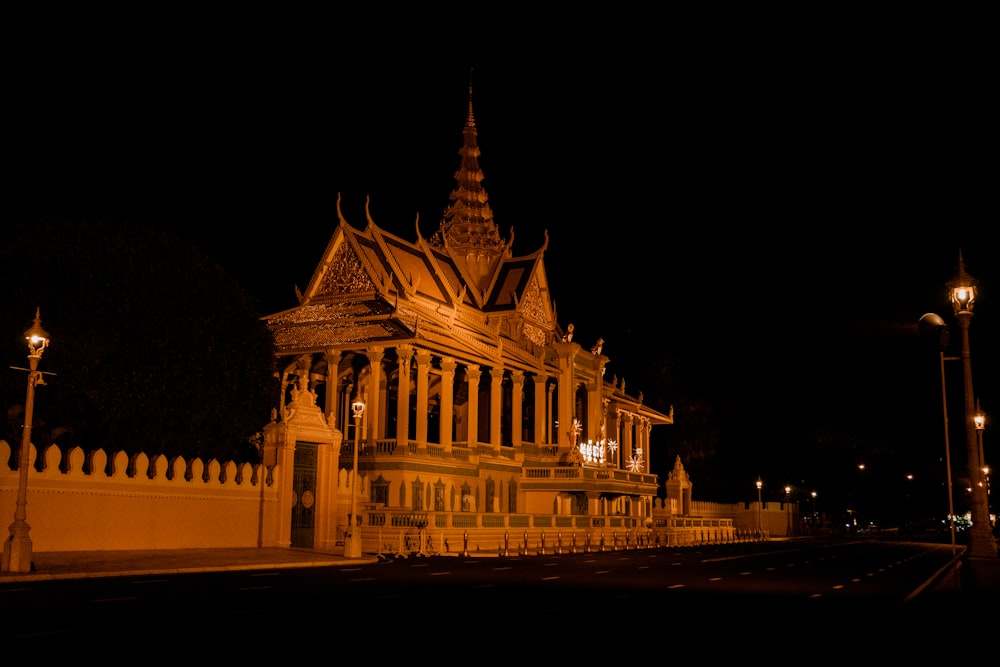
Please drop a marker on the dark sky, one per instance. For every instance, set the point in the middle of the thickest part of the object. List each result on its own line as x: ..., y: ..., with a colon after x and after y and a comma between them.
x: 776, y: 199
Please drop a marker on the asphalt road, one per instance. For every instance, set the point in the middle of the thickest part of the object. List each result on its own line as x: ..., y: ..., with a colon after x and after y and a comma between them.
x: 800, y: 591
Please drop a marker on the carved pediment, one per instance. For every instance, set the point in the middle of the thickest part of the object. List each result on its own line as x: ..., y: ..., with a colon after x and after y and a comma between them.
x: 344, y: 275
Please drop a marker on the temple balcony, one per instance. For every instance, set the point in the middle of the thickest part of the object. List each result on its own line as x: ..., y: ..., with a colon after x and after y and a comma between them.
x: 543, y: 471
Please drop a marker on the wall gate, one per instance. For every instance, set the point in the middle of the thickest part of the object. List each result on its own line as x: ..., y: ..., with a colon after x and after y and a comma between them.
x: 304, y: 495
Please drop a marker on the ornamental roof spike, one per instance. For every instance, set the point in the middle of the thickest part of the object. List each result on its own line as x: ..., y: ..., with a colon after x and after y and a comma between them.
x: 468, y: 221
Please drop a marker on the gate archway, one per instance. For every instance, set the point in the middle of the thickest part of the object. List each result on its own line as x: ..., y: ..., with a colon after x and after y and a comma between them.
x: 304, y: 496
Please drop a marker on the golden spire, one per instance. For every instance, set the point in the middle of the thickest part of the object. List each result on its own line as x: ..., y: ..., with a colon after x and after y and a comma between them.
x: 467, y: 228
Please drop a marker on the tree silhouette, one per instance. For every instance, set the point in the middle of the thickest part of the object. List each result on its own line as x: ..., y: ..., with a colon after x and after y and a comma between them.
x: 154, y: 348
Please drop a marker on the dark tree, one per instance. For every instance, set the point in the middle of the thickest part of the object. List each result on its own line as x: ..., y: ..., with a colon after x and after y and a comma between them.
x: 154, y: 348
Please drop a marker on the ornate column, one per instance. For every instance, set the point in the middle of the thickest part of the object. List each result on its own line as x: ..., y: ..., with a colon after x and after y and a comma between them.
x: 473, y: 374
x: 496, y: 404
x: 279, y: 462
x: 550, y: 389
x: 423, y: 366
x: 567, y: 392
x: 345, y: 403
x: 447, y: 400
x: 517, y: 398
x: 628, y: 444
x: 647, y: 428
x: 282, y: 394
x: 540, y: 397
x: 374, y: 409
x: 404, y: 354
x: 595, y: 400
x: 615, y: 433
x: 332, y: 358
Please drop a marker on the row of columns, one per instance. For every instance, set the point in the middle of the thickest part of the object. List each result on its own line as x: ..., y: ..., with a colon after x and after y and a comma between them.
x: 631, y: 430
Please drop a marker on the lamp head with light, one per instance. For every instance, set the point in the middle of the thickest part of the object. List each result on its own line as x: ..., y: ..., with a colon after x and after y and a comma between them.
x: 359, y: 408
x: 37, y: 337
x: 963, y: 290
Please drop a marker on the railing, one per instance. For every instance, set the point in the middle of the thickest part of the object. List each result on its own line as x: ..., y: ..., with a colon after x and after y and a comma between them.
x: 522, y: 534
x: 392, y: 447
x: 532, y: 449
x: 379, y: 516
x: 463, y: 451
x: 590, y: 473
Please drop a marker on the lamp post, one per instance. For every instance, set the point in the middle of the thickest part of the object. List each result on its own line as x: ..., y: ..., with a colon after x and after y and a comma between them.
x: 352, y: 542
x: 17, y: 548
x: 963, y: 298
x: 788, y: 511
x: 935, y: 331
x: 814, y: 517
x: 980, y: 421
x: 760, y: 484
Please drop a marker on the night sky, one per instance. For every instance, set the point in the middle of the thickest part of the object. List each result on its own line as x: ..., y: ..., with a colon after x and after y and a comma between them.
x: 775, y: 200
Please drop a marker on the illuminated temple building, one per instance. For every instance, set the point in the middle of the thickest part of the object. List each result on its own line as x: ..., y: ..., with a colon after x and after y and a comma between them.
x: 483, y: 418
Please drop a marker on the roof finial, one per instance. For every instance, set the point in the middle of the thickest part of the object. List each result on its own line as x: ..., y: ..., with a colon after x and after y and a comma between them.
x: 470, y: 121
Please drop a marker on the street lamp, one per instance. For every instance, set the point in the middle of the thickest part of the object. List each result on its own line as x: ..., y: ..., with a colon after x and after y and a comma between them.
x: 935, y: 331
x: 814, y: 517
x: 17, y: 548
x: 788, y: 511
x: 963, y: 298
x: 760, y: 484
x: 352, y: 542
x: 980, y: 421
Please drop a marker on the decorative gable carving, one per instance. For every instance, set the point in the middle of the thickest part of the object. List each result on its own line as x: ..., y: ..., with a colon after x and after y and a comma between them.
x: 533, y: 305
x: 344, y: 275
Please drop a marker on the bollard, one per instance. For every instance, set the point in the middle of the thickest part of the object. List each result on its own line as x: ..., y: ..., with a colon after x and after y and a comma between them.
x: 506, y: 543
x: 542, y: 551
x: 465, y: 541
x: 572, y: 548
x: 559, y: 542
x: 602, y: 540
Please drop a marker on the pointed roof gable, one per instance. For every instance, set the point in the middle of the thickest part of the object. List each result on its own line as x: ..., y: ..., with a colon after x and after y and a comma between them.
x: 460, y: 291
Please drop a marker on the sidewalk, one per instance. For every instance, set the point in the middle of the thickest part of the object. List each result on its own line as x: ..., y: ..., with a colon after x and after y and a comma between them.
x: 86, y: 564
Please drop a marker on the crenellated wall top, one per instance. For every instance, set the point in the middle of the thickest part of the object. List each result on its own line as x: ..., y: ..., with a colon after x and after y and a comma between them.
x: 121, y: 466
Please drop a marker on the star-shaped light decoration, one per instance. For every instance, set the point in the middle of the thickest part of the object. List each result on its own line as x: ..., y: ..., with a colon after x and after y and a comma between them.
x: 635, y: 463
x: 613, y: 446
